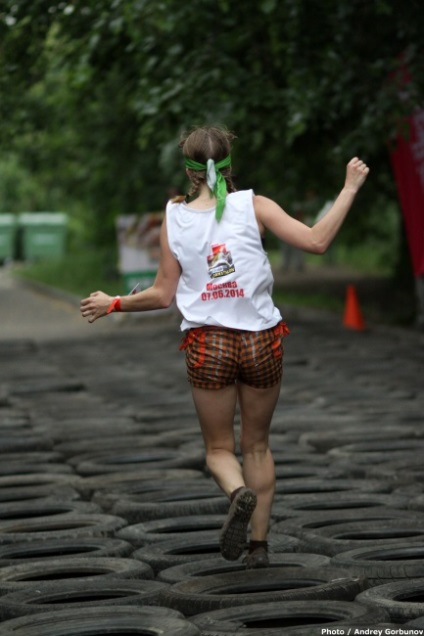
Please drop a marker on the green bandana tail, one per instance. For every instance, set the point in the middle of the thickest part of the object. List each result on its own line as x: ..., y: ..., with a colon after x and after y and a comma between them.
x: 215, y: 180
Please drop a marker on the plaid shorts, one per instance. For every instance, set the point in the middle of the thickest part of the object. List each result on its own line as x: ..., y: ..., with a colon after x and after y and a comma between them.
x: 217, y: 357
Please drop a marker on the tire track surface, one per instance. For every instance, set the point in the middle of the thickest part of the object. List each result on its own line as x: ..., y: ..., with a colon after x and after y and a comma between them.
x: 102, y: 466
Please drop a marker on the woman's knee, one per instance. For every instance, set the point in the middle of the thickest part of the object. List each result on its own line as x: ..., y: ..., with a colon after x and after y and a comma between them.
x: 216, y: 450
x: 249, y: 446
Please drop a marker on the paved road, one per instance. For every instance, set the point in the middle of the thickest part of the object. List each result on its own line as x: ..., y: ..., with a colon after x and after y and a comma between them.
x: 31, y: 311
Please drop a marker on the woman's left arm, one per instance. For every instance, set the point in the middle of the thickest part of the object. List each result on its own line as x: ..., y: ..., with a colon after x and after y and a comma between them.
x: 159, y: 296
x: 318, y: 238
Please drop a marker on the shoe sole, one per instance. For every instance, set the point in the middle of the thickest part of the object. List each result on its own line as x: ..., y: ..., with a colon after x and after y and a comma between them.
x: 233, y: 536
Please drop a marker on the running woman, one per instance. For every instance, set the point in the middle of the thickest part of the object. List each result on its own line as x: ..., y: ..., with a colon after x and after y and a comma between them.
x: 214, y: 265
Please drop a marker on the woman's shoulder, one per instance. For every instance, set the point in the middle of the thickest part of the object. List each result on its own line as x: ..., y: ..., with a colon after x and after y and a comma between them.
x: 240, y: 195
x: 174, y: 203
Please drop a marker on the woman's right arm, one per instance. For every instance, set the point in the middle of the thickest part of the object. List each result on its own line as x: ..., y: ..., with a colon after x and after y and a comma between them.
x: 159, y: 296
x: 318, y: 238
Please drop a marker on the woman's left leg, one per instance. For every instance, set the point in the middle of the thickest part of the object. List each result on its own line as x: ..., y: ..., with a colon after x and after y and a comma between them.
x: 257, y: 408
x: 215, y: 410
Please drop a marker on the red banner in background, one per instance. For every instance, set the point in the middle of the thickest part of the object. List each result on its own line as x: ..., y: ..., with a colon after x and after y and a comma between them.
x: 408, y: 167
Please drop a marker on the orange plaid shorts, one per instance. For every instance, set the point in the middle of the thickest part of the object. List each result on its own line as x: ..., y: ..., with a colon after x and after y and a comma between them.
x: 217, y: 357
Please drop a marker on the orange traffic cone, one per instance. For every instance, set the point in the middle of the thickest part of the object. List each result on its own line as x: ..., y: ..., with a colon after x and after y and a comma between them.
x: 352, y: 317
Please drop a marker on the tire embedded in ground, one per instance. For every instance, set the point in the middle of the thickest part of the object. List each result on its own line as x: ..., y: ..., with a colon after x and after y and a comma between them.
x: 170, y: 552
x: 154, y: 621
x: 30, y: 574
x: 402, y: 600
x: 202, y: 594
x: 191, y: 526
x: 287, y: 617
x: 219, y: 565
x: 15, y: 553
x: 60, y: 595
x: 68, y: 525
x: 347, y: 536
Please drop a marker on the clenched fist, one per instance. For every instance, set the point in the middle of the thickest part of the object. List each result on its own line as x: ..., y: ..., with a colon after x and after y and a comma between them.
x: 356, y: 173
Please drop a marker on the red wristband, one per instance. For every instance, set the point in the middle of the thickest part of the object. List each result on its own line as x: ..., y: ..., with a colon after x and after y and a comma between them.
x: 115, y: 305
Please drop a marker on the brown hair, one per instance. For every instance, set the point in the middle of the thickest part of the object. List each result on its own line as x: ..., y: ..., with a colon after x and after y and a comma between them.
x: 203, y: 143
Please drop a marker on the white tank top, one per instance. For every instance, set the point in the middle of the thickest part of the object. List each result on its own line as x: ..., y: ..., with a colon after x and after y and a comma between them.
x: 226, y: 278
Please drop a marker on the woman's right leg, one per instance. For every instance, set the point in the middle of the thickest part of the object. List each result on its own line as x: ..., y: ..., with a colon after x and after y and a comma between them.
x: 216, y: 410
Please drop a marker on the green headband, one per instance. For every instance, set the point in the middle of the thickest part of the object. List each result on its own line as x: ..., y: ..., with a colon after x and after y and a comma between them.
x: 214, y: 179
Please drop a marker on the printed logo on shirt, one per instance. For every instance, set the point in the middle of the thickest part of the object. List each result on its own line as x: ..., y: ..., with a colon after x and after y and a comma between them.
x: 220, y: 262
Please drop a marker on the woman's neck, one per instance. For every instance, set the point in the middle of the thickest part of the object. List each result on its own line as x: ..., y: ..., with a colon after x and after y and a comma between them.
x: 204, y: 193
x: 204, y: 199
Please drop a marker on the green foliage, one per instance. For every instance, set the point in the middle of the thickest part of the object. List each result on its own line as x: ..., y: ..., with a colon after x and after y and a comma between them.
x: 19, y: 188
x: 94, y: 96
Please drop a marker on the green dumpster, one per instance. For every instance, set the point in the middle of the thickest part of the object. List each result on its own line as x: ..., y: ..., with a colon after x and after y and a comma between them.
x: 8, y: 231
x: 43, y: 234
